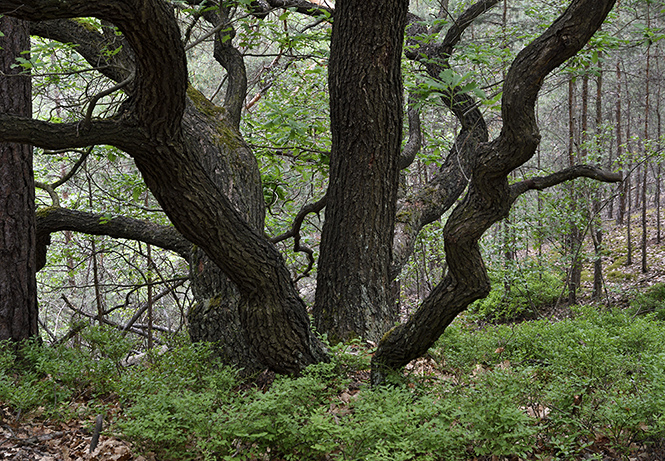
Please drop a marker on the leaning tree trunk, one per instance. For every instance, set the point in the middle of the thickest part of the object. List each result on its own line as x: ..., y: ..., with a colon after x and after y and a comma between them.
x: 18, y: 290
x: 353, y: 296
x: 215, y: 316
x: 489, y: 195
x: 151, y: 129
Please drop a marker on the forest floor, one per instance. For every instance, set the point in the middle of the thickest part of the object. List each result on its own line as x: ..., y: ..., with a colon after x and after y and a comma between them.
x: 36, y: 437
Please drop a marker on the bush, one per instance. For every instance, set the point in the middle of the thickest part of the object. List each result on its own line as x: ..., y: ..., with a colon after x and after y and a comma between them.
x: 529, y: 292
x: 651, y: 300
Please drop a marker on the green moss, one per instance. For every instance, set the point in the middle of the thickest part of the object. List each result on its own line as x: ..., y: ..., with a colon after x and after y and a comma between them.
x: 617, y: 263
x: 586, y: 276
x: 43, y: 212
x: 203, y: 104
x: 619, y: 276
x: 215, y: 302
x: 87, y: 23
x: 384, y: 338
x: 224, y: 134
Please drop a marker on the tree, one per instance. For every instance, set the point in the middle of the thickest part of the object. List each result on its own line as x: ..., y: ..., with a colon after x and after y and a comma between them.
x: 489, y: 195
x: 366, y: 122
x: 18, y: 289
x: 196, y: 164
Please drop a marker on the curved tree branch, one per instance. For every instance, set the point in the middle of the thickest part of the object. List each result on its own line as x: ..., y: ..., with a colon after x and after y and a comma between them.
x: 577, y: 171
x: 115, y: 132
x: 116, y: 65
x: 161, y: 71
x: 295, y: 232
x: 455, y: 32
x: 74, y: 168
x: 303, y: 7
x: 55, y: 219
x: 428, y: 203
x: 231, y: 59
x: 414, y: 141
x: 85, y: 123
x: 489, y: 196
x: 228, y: 57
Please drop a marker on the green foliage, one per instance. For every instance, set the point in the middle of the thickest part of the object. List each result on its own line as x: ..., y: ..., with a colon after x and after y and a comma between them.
x: 523, y: 294
x: 53, y: 375
x: 502, y: 391
x: 651, y: 300
x: 592, y: 376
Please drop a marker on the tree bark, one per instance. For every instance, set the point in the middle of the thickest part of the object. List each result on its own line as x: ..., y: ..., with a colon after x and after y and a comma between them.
x: 167, y: 151
x: 597, y: 221
x: 489, y: 195
x: 18, y: 287
x: 353, y: 296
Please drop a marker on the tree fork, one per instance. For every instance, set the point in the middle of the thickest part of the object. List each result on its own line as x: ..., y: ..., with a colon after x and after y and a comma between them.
x: 489, y: 196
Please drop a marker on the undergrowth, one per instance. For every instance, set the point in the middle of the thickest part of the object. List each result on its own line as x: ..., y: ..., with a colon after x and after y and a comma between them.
x: 589, y: 386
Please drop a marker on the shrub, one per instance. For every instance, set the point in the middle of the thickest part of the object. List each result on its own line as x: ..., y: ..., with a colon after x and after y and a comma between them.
x: 528, y: 294
x: 651, y: 300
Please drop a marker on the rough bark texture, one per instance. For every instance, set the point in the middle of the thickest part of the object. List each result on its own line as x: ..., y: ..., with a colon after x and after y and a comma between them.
x: 489, y: 195
x: 18, y: 288
x: 353, y: 297
x: 427, y: 204
x: 168, y: 154
x: 216, y: 317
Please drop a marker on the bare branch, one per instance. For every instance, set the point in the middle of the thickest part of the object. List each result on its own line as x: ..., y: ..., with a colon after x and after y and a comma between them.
x: 414, y: 143
x: 85, y: 124
x: 295, y: 232
x: 144, y: 307
x: 106, y: 321
x: 304, y: 7
x: 153, y: 35
x: 455, y: 32
x: 54, y: 219
x: 55, y: 136
x: 577, y: 171
x: 74, y: 169
x: 89, y: 44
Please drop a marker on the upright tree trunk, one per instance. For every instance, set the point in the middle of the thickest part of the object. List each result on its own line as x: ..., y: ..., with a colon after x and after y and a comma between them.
x: 629, y: 188
x: 645, y: 165
x: 621, y: 213
x: 215, y: 317
x: 353, y: 296
x: 659, y: 164
x: 575, y: 270
x: 18, y: 287
x: 597, y: 227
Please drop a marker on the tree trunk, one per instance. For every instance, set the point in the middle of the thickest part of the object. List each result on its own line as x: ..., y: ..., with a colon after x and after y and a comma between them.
x: 575, y: 236
x: 645, y: 166
x: 354, y: 297
x: 216, y: 317
x: 597, y: 221
x: 489, y: 196
x: 621, y: 213
x: 629, y: 187
x: 18, y: 287
x: 155, y: 132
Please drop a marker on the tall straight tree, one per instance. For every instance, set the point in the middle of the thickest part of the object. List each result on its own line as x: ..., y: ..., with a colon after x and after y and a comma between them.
x: 353, y: 296
x: 18, y: 292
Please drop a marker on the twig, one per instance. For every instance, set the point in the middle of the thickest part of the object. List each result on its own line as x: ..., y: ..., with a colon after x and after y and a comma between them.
x: 295, y: 233
x: 93, y: 101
